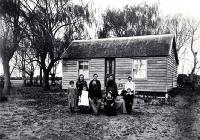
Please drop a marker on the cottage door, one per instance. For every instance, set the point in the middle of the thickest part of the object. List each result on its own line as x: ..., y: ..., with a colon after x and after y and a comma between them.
x: 109, y: 68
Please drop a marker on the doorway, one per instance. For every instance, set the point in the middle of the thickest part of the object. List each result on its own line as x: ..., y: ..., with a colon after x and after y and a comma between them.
x: 109, y: 68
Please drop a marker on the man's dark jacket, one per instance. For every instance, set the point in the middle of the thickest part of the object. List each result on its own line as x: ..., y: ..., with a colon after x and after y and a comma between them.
x: 95, y: 89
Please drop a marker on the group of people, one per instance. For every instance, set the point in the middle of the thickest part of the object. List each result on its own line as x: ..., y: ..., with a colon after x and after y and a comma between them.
x: 90, y: 98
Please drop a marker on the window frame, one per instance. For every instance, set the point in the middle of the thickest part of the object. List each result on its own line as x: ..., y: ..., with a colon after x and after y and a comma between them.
x: 133, y: 69
x: 78, y: 62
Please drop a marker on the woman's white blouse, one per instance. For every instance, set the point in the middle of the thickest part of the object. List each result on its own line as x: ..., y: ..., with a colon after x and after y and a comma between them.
x: 130, y: 85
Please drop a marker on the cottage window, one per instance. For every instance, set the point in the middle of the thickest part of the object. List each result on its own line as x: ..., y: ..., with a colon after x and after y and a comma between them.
x: 140, y: 69
x: 83, y: 68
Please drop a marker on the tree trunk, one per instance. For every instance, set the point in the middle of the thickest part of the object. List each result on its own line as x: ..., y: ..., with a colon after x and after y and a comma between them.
x: 40, y: 76
x: 1, y: 87
x: 23, y: 67
x: 46, y: 79
x: 195, y: 62
x: 53, y: 78
x: 194, y: 55
x: 7, y: 84
x: 31, y: 78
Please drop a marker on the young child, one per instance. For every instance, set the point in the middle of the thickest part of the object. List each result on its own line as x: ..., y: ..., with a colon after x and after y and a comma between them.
x: 128, y: 100
x: 72, y: 96
x: 109, y: 104
x: 84, y: 100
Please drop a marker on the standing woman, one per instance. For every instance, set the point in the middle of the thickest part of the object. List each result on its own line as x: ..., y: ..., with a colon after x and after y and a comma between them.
x: 130, y: 84
x: 79, y: 85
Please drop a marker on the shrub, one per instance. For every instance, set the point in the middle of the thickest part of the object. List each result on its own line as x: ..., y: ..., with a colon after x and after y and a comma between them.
x: 184, y: 81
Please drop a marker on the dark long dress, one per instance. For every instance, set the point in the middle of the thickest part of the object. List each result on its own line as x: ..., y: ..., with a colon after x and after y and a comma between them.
x: 119, y: 103
x: 112, y: 86
x: 109, y: 107
x: 79, y: 85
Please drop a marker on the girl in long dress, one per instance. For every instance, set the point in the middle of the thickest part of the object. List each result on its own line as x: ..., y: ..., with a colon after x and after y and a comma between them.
x: 84, y: 100
x: 72, y: 95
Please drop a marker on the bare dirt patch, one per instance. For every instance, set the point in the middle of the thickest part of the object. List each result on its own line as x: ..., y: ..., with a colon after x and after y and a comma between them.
x: 33, y: 114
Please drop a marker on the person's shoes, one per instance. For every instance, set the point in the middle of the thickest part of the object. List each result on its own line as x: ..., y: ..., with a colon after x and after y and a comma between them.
x: 95, y: 113
x: 72, y: 110
x: 3, y: 99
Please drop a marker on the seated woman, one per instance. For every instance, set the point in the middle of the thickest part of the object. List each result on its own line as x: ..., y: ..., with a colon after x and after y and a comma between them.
x: 109, y: 104
x: 119, y: 101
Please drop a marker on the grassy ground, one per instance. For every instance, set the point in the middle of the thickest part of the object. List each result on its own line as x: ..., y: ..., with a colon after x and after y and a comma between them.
x: 32, y: 114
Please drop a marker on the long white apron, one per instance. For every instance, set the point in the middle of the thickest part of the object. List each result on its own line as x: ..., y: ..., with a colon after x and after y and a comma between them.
x: 84, y: 99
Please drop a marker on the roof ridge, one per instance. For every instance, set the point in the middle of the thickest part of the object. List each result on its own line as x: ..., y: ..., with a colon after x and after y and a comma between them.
x: 122, y: 47
x: 124, y: 38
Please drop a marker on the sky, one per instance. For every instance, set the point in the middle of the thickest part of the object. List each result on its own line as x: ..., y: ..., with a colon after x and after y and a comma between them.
x: 188, y: 8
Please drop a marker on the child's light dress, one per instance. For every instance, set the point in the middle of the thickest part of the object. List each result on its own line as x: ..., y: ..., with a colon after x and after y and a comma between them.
x: 84, y: 100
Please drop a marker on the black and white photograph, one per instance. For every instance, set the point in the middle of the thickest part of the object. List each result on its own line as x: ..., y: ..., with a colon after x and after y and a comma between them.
x: 99, y: 70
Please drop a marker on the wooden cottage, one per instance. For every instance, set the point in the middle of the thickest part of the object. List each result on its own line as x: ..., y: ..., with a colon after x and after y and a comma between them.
x: 151, y: 60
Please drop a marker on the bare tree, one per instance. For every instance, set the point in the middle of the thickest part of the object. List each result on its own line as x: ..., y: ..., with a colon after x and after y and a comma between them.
x: 194, y: 26
x: 10, y: 37
x: 45, y: 20
x: 5, y: 53
x: 178, y: 25
x: 23, y: 61
x: 186, y: 31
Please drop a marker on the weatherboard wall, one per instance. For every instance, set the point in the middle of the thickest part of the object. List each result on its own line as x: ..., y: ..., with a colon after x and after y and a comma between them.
x: 171, y: 71
x: 70, y: 71
x: 156, y: 73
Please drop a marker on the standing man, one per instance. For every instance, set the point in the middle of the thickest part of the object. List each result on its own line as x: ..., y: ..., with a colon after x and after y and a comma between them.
x: 95, y: 94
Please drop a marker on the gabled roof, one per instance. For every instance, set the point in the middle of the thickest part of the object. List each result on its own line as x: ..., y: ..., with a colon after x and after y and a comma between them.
x: 122, y: 47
